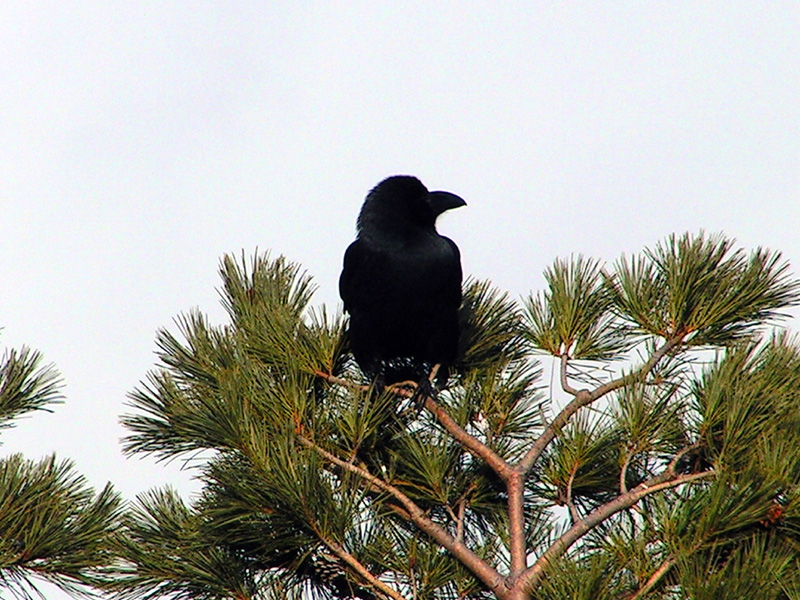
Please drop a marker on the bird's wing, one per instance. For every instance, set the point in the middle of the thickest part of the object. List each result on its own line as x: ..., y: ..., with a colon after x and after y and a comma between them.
x: 454, y: 276
x: 357, y: 283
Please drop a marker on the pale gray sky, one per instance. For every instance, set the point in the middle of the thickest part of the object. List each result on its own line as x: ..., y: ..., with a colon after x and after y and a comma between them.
x: 141, y: 141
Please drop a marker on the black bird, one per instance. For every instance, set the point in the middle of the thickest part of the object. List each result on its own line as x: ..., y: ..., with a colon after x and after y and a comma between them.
x: 401, y: 283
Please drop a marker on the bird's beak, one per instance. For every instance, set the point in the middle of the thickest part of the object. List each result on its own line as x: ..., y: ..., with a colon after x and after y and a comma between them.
x: 442, y: 201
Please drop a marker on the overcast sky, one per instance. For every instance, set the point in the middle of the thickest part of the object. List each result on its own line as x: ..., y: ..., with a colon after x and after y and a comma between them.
x: 140, y: 141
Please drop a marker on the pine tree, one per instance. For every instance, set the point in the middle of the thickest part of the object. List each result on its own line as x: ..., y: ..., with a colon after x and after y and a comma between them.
x: 658, y: 461
x: 53, y: 527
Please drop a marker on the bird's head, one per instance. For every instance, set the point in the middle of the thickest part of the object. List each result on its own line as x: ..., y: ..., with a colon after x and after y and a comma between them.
x: 402, y: 203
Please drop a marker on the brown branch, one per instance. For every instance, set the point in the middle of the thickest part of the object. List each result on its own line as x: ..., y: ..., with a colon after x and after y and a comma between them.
x: 680, y: 454
x: 332, y: 379
x: 664, y: 480
x: 582, y: 399
x: 623, y: 474
x: 574, y: 515
x: 488, y: 575
x: 585, y: 398
x: 564, y: 380
x: 400, y: 511
x: 449, y: 510
x: 653, y: 580
x: 470, y: 442
x: 359, y: 568
x: 516, y: 523
x: 462, y: 508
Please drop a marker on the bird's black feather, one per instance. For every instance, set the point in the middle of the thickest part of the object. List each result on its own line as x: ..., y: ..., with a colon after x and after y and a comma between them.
x: 401, y: 282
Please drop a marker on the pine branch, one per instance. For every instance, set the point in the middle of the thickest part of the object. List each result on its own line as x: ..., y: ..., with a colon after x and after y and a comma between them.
x: 164, y: 554
x: 574, y: 316
x: 665, y: 480
x: 653, y: 580
x: 623, y: 474
x: 53, y: 526
x: 488, y: 575
x: 346, y: 383
x: 585, y: 398
x: 25, y: 385
x: 462, y: 507
x: 564, y: 380
x: 471, y: 443
x: 513, y: 478
x: 359, y: 568
x: 516, y: 527
x: 698, y: 285
x: 574, y: 515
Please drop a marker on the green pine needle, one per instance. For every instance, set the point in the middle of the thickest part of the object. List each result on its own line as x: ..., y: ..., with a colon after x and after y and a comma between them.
x: 574, y: 317
x: 54, y: 527
x: 25, y: 385
x: 698, y: 289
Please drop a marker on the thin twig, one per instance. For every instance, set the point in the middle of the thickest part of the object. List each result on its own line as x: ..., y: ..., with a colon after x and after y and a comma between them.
x: 543, y: 416
x: 453, y: 517
x: 333, y: 379
x: 564, y: 379
x: 462, y: 507
x: 574, y: 515
x: 623, y: 479
x: 403, y: 388
x: 623, y: 474
x: 680, y: 454
x: 653, y: 580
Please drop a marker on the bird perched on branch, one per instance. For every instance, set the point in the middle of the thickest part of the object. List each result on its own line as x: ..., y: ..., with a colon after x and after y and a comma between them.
x: 401, y: 283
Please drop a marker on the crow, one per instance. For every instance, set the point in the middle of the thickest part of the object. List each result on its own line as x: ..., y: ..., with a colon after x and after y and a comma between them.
x: 401, y: 283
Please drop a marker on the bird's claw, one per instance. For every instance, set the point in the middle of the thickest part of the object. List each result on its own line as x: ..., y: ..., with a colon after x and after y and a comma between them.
x: 424, y: 390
